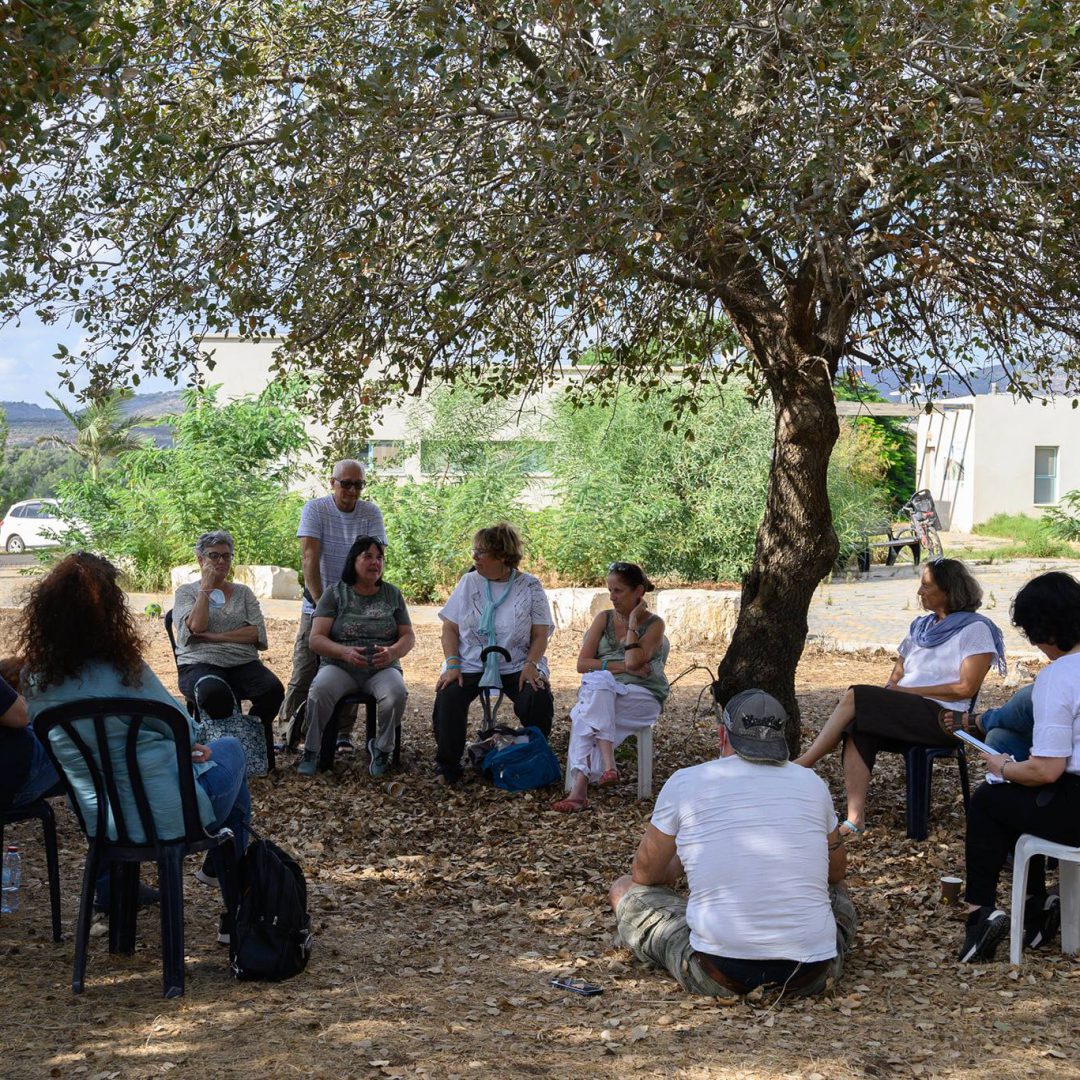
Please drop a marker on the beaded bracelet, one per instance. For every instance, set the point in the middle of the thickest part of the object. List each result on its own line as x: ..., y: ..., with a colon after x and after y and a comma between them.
x: 603, y: 665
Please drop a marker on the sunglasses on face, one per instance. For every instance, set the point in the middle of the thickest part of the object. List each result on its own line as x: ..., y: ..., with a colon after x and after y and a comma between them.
x: 219, y: 556
x: 350, y: 485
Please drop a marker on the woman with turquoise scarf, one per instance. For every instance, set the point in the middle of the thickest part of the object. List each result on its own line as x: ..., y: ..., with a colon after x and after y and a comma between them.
x: 940, y: 668
x: 493, y: 604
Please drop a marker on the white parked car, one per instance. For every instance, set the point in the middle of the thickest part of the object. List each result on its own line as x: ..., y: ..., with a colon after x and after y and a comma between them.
x: 25, y: 524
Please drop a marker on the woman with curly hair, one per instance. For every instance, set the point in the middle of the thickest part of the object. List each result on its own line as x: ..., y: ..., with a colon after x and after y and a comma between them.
x: 78, y: 641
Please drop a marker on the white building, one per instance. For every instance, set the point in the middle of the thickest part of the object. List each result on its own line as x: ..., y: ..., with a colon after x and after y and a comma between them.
x: 993, y: 454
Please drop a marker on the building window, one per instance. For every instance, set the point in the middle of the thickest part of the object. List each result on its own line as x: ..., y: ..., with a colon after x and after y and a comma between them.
x: 383, y: 453
x: 1045, y: 475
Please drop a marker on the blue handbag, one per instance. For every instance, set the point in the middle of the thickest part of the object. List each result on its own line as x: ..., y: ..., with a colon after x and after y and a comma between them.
x: 522, y: 766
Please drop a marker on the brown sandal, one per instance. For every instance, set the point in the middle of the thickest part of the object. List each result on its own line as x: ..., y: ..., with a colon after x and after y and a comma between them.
x: 569, y: 806
x: 963, y: 721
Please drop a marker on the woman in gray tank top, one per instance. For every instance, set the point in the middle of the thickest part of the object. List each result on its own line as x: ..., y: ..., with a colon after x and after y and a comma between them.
x: 623, y: 685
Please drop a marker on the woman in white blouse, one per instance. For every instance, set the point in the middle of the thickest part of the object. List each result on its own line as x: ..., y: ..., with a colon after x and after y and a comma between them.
x: 494, y: 604
x: 940, y: 667
x: 1041, y: 795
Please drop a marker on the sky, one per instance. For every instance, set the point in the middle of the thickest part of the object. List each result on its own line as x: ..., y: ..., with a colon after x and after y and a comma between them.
x: 27, y: 368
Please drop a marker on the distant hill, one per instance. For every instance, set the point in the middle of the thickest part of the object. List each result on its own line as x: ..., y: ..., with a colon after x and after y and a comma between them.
x: 26, y: 422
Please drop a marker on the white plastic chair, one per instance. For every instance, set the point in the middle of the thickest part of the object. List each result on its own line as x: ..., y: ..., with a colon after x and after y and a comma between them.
x: 1069, y: 877
x: 644, y: 763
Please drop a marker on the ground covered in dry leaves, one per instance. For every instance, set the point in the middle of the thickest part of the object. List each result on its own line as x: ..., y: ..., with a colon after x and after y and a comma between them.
x: 440, y: 917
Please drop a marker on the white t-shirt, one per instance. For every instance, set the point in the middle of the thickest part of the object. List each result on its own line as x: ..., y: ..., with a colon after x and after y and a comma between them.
x: 941, y: 664
x: 335, y: 530
x: 753, y: 840
x: 525, y: 607
x: 1056, y: 700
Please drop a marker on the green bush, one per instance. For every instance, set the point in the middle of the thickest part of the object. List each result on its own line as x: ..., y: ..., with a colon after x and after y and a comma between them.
x: 229, y: 468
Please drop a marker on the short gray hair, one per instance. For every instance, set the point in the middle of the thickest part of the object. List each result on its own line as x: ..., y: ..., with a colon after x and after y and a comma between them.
x: 213, y: 539
x: 335, y: 473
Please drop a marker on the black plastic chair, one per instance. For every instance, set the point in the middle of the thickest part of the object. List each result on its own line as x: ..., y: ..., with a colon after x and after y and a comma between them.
x: 42, y: 811
x: 328, y: 747
x: 193, y: 708
x: 919, y: 761
x: 123, y: 855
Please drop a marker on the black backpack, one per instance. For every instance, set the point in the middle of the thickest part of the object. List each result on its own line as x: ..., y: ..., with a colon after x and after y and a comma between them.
x: 271, y: 938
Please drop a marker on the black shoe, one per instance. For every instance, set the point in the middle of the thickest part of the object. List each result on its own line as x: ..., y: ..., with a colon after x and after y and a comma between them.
x: 223, y: 936
x: 986, y: 926
x: 1042, y: 918
x: 147, y: 895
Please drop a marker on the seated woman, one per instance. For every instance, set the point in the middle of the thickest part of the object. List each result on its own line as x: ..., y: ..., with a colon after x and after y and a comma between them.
x: 495, y: 605
x: 623, y: 685
x: 942, y: 664
x: 219, y: 631
x: 361, y: 629
x: 1041, y: 795
x: 79, y: 640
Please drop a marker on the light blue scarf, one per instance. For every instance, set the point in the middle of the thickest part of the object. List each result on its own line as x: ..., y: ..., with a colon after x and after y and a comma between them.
x: 928, y: 633
x: 492, y: 676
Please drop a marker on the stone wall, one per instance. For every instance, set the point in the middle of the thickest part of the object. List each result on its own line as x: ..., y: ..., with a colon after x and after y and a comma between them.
x: 266, y: 582
x: 692, y: 616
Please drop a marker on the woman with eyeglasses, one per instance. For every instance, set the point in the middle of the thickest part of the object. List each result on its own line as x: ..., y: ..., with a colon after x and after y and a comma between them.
x: 494, y: 604
x: 623, y: 685
x: 940, y: 668
x: 219, y: 631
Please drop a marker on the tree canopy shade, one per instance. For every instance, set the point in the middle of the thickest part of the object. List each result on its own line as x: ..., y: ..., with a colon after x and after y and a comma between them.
x: 435, y: 184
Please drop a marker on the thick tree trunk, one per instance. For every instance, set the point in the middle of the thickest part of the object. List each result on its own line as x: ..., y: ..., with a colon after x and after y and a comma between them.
x: 796, y: 545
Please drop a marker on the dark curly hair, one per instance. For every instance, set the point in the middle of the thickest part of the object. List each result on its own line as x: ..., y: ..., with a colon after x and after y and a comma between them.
x: 78, y: 613
x: 1047, y: 609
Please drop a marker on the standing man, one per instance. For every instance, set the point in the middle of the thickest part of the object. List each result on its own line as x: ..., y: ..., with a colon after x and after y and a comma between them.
x: 757, y: 838
x: 328, y: 527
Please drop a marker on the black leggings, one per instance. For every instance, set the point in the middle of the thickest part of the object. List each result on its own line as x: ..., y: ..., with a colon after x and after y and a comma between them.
x: 1000, y: 813
x: 533, y: 708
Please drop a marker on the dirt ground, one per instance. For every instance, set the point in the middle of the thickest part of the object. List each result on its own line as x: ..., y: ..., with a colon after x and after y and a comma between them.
x: 440, y: 917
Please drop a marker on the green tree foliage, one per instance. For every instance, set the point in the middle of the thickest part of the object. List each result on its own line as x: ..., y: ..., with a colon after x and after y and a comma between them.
x: 628, y: 485
x: 475, y: 481
x: 432, y: 186
x: 1063, y: 521
x: 895, y: 438
x: 102, y: 431
x: 43, y: 58
x: 229, y: 468
x: 631, y: 486
x: 36, y: 472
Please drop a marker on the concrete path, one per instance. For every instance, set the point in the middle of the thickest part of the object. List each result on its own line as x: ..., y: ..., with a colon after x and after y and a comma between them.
x: 860, y: 611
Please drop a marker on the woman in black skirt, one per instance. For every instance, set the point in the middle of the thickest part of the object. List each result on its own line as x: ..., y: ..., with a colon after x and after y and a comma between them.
x: 941, y: 666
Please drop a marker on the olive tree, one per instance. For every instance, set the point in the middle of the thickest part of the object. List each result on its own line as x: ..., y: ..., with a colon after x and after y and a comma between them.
x: 778, y: 187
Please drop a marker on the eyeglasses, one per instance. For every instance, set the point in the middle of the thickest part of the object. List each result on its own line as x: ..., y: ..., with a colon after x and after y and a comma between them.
x: 480, y: 553
x: 219, y: 556
x: 349, y: 485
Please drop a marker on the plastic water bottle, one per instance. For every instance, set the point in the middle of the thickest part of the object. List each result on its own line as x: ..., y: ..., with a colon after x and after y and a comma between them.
x: 12, y: 880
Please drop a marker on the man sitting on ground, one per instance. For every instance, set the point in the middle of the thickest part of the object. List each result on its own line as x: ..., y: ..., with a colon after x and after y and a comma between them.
x: 757, y: 837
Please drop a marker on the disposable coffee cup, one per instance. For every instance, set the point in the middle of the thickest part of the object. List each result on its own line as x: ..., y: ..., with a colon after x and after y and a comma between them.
x: 950, y: 889
x: 395, y: 789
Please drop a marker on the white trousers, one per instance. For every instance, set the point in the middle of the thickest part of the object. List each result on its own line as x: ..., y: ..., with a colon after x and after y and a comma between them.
x: 608, y: 710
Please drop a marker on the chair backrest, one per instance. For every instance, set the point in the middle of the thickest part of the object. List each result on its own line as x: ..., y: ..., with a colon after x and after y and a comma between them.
x: 108, y: 751
x: 169, y: 631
